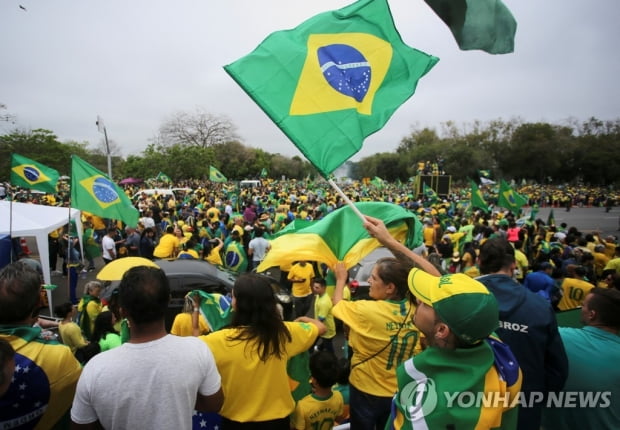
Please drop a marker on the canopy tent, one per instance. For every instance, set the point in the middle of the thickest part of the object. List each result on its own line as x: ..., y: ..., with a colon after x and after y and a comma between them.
x: 24, y: 219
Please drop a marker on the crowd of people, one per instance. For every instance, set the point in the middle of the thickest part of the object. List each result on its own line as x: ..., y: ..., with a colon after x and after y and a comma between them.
x: 475, y: 310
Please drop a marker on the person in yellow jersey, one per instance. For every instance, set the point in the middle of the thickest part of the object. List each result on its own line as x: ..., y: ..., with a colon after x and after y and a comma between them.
x: 381, y: 332
x: 252, y: 353
x: 45, y: 375
x: 300, y: 276
x: 574, y: 288
x: 168, y: 246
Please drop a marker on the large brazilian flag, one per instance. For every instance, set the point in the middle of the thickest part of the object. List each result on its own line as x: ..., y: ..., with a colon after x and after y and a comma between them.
x: 333, y: 80
x: 341, y: 236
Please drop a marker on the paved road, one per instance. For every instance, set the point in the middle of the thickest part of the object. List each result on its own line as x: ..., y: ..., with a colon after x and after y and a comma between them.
x: 585, y: 219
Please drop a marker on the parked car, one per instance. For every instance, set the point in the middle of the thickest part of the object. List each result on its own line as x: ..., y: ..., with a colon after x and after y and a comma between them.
x: 187, y: 275
x: 359, y: 274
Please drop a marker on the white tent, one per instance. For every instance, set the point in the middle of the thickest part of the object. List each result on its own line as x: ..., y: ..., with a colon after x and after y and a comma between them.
x: 24, y: 219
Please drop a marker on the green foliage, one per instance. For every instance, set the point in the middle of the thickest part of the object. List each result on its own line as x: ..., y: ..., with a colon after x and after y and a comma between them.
x: 577, y: 152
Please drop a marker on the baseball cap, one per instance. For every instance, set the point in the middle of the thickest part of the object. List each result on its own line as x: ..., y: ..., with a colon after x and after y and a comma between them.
x: 451, y: 229
x: 463, y: 303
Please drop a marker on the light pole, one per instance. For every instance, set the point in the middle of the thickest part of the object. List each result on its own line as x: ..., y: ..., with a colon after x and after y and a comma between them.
x: 101, y: 128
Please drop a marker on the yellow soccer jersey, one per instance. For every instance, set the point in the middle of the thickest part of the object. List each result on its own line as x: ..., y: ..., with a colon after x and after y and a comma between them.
x: 323, y: 312
x: 256, y: 390
x: 574, y: 292
x: 44, y: 381
x: 378, y: 341
x: 313, y: 412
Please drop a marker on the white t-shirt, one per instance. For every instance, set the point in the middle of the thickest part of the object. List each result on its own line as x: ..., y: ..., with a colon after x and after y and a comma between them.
x: 107, y: 244
x: 259, y: 246
x: 146, y: 385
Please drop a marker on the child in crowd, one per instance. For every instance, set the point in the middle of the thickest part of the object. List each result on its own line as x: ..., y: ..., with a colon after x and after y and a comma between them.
x: 323, y: 312
x: 323, y: 407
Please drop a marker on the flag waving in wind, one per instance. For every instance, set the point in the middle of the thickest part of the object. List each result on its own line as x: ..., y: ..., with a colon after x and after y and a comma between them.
x: 28, y: 173
x: 429, y: 194
x: 333, y: 80
x: 94, y: 192
x: 477, y: 199
x: 215, y: 175
x: 487, y: 25
x: 509, y: 199
x: 341, y: 236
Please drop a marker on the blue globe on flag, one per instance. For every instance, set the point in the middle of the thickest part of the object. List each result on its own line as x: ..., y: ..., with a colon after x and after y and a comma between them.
x: 345, y: 69
x: 232, y: 259
x: 104, y: 190
x: 32, y: 173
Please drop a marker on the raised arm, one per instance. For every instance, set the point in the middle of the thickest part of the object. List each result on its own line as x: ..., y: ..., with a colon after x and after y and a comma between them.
x: 377, y: 229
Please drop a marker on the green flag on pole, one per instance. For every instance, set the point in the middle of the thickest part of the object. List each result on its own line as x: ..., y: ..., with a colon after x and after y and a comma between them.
x: 509, y: 199
x: 30, y: 174
x: 215, y: 175
x: 263, y: 172
x: 477, y: 199
x: 94, y: 192
x: 487, y: 25
x: 333, y: 80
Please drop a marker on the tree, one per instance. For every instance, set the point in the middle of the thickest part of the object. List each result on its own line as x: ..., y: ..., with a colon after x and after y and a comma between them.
x: 200, y: 129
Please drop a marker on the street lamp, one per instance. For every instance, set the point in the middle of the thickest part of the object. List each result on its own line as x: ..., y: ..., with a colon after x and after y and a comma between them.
x: 101, y: 128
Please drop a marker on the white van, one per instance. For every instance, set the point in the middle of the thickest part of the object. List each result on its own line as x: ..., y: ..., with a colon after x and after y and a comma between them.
x: 173, y: 192
x: 250, y: 183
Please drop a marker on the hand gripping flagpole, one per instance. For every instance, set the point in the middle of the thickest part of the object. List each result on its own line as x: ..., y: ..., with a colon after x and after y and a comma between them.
x: 346, y: 199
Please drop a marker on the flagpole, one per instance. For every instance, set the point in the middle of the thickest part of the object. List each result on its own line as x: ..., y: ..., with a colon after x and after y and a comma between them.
x: 346, y: 199
x: 101, y: 127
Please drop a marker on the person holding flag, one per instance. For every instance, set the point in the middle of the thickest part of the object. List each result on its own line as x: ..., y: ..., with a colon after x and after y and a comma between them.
x: 382, y: 334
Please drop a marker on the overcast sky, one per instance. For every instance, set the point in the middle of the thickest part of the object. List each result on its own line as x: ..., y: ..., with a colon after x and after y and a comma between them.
x: 136, y: 63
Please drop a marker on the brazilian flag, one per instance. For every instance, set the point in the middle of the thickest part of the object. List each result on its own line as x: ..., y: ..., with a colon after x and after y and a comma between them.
x: 341, y: 236
x: 28, y: 173
x: 235, y: 257
x: 215, y: 308
x: 92, y: 191
x: 333, y: 80
x: 429, y: 194
x: 477, y: 199
x: 215, y: 175
x: 509, y: 199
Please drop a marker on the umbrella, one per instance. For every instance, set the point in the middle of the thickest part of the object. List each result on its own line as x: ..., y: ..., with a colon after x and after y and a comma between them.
x: 130, y: 181
x: 115, y: 270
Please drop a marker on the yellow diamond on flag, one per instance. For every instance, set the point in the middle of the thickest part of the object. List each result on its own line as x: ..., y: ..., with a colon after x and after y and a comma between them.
x: 341, y: 71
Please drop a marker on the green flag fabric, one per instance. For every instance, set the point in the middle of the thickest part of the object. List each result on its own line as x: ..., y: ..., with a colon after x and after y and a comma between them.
x: 341, y: 236
x: 429, y: 194
x: 333, y: 80
x: 477, y: 199
x: 28, y: 173
x: 215, y: 308
x: 162, y: 177
x: 215, y: 175
x: 93, y: 191
x: 487, y: 25
x: 263, y: 173
x: 509, y: 199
